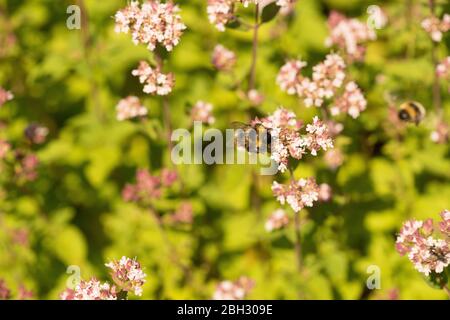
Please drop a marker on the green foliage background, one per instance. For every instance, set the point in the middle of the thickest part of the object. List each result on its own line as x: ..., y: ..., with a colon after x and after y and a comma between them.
x: 71, y: 81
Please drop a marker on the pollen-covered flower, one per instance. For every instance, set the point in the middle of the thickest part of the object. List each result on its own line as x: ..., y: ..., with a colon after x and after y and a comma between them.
x: 155, y: 81
x: 153, y: 23
x: 298, y: 193
x: 202, y: 111
x: 349, y: 35
x: 436, y: 27
x: 427, y: 253
x: 289, y: 77
x: 130, y: 107
x: 233, y: 290
x: 36, y: 133
x: 127, y: 274
x: 277, y: 220
x: 5, y: 96
x: 352, y: 101
x: 90, y: 290
x: 441, y: 133
x: 220, y: 12
x: 222, y: 58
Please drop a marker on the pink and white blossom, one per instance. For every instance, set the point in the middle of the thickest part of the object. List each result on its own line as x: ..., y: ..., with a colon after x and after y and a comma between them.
x: 223, y: 59
x: 129, y: 108
x: 298, y: 193
x: 233, y: 290
x: 155, y: 82
x: 277, y: 220
x: 127, y: 274
x: 202, y: 111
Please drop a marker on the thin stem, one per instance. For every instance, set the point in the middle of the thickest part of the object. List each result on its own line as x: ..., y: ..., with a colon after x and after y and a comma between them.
x: 165, y: 108
x: 297, y: 220
x: 252, y: 76
x: 447, y: 290
x: 437, y: 100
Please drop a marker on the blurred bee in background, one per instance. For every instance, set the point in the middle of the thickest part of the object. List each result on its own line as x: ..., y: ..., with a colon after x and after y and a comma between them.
x: 411, y: 111
x: 253, y: 138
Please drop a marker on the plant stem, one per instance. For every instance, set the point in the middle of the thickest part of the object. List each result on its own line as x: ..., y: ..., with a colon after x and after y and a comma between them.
x: 437, y: 101
x: 447, y: 290
x: 252, y: 76
x: 165, y: 108
x: 298, y: 243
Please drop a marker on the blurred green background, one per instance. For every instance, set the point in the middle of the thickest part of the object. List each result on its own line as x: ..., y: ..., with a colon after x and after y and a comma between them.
x: 73, y: 214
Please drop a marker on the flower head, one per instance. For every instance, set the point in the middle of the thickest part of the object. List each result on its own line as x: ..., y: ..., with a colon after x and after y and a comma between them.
x: 153, y: 23
x: 352, y: 101
x: 222, y: 58
x: 298, y: 193
x: 90, y: 290
x: 441, y: 133
x: 5, y: 96
x: 36, y: 133
x: 127, y: 274
x: 289, y: 77
x: 436, y: 27
x: 220, y: 12
x: 202, y: 111
x: 233, y: 290
x: 277, y: 220
x: 130, y: 107
x: 155, y: 81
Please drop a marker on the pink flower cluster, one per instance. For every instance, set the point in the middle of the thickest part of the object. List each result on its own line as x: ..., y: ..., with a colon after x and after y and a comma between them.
x: 298, y: 193
x: 222, y: 58
x: 127, y: 274
x: 325, y: 192
x: 130, y: 107
x: 352, y: 101
x: 5, y: 293
x: 443, y: 68
x: 349, y: 35
x: 327, y: 78
x: 277, y: 220
x: 441, y: 133
x: 287, y: 141
x: 151, y: 24
x: 4, y: 148
x: 36, y: 133
x: 436, y: 27
x: 155, y: 81
x: 184, y: 214
x: 202, y: 111
x: 148, y: 187
x: 233, y: 290
x: 220, y: 12
x: 334, y: 158
x: 5, y: 96
x: 428, y: 254
x: 90, y: 290
x: 27, y: 168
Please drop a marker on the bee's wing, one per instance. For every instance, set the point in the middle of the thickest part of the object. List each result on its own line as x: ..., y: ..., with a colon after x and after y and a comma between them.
x: 239, y: 125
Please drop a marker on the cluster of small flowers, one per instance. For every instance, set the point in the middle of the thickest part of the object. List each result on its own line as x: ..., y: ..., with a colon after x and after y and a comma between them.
x: 27, y: 168
x: 202, y: 111
x: 436, y: 27
x: 298, y: 193
x: 36, y: 133
x: 334, y: 158
x: 148, y: 187
x: 427, y: 253
x: 151, y: 24
x: 441, y: 133
x: 325, y: 192
x: 90, y: 290
x: 443, y: 68
x: 352, y: 101
x: 223, y: 59
x: 5, y: 96
x: 349, y: 35
x: 22, y: 294
x: 127, y: 274
x: 130, y: 107
x: 4, y: 148
x: 233, y: 290
x: 184, y: 214
x: 328, y: 76
x: 277, y: 220
x: 255, y: 97
x: 286, y: 140
x: 155, y: 81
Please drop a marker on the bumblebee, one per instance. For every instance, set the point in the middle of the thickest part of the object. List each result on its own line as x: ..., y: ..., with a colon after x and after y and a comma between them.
x: 253, y: 138
x: 411, y: 111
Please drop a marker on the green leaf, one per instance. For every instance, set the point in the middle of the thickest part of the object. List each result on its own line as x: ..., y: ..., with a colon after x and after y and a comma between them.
x: 269, y: 12
x: 437, y: 280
